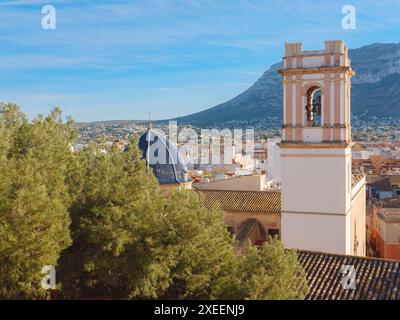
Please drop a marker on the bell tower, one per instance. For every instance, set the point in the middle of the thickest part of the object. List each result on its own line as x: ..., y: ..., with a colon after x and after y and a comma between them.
x: 316, y: 86
x: 316, y: 150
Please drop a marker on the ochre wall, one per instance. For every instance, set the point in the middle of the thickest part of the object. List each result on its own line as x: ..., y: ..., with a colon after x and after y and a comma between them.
x: 392, y: 251
x: 268, y: 221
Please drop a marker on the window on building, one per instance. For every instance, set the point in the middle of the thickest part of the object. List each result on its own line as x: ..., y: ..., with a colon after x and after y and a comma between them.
x: 273, y: 232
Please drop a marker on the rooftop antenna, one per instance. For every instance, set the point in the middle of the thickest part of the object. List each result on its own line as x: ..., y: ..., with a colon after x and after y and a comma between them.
x: 149, y: 125
x: 148, y: 142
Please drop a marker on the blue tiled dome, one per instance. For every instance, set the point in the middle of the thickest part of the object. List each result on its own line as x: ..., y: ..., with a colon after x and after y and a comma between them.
x: 163, y: 157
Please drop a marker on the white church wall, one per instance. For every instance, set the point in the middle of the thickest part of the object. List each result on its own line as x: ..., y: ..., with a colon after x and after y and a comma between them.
x: 315, y: 232
x: 305, y: 171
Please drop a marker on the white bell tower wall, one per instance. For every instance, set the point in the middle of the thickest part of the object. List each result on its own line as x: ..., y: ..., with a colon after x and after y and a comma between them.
x: 316, y: 149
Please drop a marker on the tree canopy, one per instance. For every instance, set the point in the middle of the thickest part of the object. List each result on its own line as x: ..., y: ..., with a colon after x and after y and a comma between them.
x: 101, y: 219
x: 34, y: 198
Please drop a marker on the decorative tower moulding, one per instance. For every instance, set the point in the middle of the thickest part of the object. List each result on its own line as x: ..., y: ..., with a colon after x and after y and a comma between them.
x: 316, y: 94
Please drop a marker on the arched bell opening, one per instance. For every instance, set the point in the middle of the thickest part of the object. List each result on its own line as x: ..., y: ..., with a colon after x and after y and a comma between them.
x: 313, y: 107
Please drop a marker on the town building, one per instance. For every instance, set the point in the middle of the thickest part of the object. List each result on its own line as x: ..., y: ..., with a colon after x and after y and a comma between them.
x: 377, y: 159
x: 250, y: 215
x: 383, y: 216
x: 385, y: 233
x: 274, y: 160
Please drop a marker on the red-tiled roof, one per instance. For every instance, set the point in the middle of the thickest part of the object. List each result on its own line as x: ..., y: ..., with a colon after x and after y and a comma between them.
x: 376, y: 279
x: 382, y: 185
x: 244, y: 201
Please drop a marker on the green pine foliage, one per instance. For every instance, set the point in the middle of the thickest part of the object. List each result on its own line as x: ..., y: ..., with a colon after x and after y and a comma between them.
x: 101, y: 219
x: 267, y: 273
x: 34, y: 219
x: 116, y: 226
x: 202, y: 250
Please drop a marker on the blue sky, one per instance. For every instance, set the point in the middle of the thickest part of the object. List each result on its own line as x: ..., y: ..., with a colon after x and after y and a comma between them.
x: 118, y: 59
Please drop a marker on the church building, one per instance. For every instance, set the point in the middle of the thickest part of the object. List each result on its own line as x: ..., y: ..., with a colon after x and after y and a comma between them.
x: 320, y: 207
x: 323, y: 206
x: 322, y: 202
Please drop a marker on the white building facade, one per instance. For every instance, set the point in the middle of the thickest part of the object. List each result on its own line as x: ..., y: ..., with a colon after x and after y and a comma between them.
x: 274, y: 160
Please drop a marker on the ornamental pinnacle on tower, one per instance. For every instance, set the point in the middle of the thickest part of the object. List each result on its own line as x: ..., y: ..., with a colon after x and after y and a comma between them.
x: 322, y: 210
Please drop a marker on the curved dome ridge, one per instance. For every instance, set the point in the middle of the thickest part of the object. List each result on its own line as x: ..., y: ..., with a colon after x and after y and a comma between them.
x: 163, y: 157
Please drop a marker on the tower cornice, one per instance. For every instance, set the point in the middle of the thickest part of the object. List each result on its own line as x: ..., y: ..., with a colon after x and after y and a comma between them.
x: 323, y: 145
x: 301, y: 71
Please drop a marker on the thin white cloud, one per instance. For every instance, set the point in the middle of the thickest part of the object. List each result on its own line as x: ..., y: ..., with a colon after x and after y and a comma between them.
x: 143, y: 45
x: 28, y: 2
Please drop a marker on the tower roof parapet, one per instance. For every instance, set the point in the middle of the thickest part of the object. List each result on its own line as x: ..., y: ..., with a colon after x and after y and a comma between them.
x: 335, y: 54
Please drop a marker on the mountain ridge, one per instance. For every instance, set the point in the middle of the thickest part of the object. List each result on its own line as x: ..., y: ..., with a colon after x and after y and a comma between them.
x: 375, y: 93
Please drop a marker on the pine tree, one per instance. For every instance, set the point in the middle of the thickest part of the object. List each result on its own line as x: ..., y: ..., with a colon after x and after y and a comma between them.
x: 34, y: 199
x: 116, y: 224
x: 202, y: 248
x: 118, y: 237
x: 267, y: 273
x: 130, y: 242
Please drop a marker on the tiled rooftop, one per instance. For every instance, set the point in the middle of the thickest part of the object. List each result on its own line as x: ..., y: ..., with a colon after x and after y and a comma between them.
x: 393, y: 179
x: 244, y: 201
x: 390, y: 214
x: 376, y: 279
x: 382, y: 185
x: 356, y: 177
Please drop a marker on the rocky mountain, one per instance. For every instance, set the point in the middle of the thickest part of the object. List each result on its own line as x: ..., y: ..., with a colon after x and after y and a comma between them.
x: 375, y: 93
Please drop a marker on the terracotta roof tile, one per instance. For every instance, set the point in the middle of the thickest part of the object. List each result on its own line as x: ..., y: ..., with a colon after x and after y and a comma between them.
x: 245, y: 201
x: 376, y: 279
x: 393, y: 179
x: 356, y: 177
x: 382, y: 185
